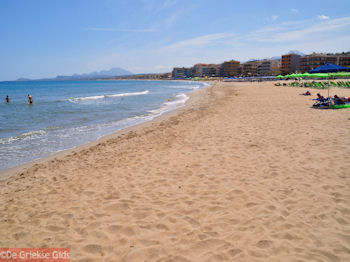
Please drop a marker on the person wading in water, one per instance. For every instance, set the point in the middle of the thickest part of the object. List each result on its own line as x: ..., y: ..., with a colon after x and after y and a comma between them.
x: 30, y: 99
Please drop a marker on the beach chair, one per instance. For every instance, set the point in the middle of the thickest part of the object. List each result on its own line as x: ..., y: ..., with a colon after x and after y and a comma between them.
x: 319, y: 85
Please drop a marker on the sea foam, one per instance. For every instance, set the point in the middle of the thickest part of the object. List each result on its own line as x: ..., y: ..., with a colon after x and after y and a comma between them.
x: 108, y: 96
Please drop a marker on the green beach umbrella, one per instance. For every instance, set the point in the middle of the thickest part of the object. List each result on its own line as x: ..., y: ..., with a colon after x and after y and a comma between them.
x: 319, y: 75
x: 306, y: 74
x: 340, y: 74
x: 323, y: 75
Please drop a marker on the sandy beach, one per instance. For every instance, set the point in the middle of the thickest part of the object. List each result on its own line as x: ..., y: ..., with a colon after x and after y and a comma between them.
x: 246, y: 172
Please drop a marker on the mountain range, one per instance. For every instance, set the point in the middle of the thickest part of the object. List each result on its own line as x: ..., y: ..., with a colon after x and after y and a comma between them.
x: 115, y: 71
x: 296, y: 52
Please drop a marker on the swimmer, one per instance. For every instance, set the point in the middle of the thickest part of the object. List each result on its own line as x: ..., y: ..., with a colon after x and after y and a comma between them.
x: 7, y: 99
x: 30, y: 99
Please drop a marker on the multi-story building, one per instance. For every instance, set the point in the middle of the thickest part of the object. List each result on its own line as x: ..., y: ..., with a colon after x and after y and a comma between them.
x: 178, y: 73
x: 250, y: 68
x: 181, y: 72
x: 211, y: 70
x: 344, y: 61
x: 290, y: 63
x: 269, y: 67
x: 199, y: 69
x: 313, y: 61
x: 188, y: 72
x: 230, y: 68
x: 276, y: 67
x: 205, y: 71
x: 218, y: 70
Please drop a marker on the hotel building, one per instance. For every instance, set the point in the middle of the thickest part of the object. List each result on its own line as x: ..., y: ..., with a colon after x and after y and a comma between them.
x: 313, y: 61
x: 230, y: 68
x: 250, y: 68
x: 269, y: 67
x: 290, y: 63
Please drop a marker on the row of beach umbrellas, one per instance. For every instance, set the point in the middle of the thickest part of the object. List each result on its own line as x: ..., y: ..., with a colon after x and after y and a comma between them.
x: 327, y: 70
x: 316, y: 75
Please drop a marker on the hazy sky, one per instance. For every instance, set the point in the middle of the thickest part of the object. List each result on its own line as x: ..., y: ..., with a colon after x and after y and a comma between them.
x: 44, y: 38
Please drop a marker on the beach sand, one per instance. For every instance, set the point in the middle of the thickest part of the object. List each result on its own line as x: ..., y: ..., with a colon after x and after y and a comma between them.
x: 246, y: 172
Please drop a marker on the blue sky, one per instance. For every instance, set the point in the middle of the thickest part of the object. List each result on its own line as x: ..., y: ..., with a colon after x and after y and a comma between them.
x: 42, y: 38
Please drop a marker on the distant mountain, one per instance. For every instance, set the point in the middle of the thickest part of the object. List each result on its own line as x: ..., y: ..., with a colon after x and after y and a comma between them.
x: 276, y: 58
x: 252, y: 60
x: 296, y: 52
x: 23, y: 79
x: 115, y: 71
x: 255, y: 59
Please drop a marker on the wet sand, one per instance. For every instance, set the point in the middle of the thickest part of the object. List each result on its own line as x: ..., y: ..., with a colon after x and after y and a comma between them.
x: 246, y: 172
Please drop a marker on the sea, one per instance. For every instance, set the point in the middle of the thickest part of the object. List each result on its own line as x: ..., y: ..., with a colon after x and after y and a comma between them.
x: 66, y: 114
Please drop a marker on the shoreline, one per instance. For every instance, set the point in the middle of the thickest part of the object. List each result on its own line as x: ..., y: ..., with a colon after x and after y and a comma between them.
x: 4, y: 174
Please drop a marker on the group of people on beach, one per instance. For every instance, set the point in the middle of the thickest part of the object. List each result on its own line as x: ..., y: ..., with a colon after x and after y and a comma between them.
x: 30, y: 99
x: 336, y: 100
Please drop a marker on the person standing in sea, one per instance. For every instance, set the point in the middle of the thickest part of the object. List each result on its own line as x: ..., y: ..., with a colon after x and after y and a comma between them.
x: 7, y: 99
x: 30, y: 99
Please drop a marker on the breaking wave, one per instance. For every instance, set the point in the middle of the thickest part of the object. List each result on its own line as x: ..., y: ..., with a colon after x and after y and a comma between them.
x: 108, y: 96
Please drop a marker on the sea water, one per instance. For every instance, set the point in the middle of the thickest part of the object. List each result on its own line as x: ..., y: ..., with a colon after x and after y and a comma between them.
x: 66, y: 114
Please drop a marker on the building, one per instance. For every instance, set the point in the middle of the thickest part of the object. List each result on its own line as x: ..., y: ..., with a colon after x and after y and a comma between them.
x: 344, y: 61
x: 230, y: 68
x: 218, y: 70
x: 199, y: 70
x: 290, y: 64
x: 314, y: 60
x: 188, y: 72
x: 211, y: 70
x: 269, y: 67
x: 181, y: 72
x: 178, y: 73
x: 250, y: 68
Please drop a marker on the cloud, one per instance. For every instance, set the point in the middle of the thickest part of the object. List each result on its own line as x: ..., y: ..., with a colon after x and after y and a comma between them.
x: 108, y: 29
x: 288, y: 32
x: 171, y: 19
x: 274, y: 17
x: 323, y: 17
x: 174, y: 16
x: 169, y: 3
x: 294, y: 10
x: 198, y: 41
x: 308, y: 35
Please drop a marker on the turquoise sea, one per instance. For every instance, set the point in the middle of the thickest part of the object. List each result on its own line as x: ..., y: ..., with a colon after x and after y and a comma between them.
x: 66, y: 114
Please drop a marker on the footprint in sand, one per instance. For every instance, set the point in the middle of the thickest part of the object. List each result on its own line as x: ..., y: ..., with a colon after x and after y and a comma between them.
x: 264, y: 243
x: 93, y: 249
